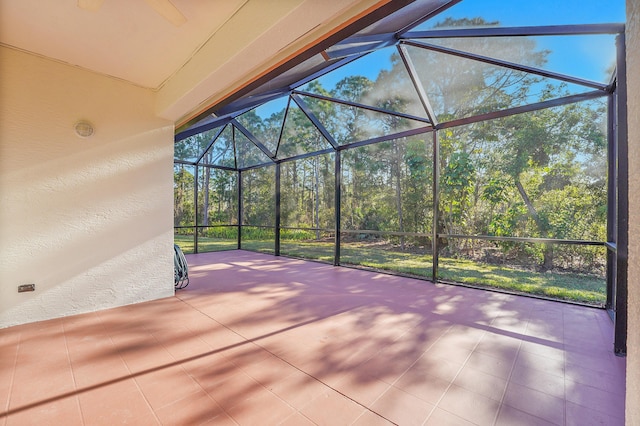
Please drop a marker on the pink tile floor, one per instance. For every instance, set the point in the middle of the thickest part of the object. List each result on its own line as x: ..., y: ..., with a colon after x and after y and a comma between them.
x: 263, y: 340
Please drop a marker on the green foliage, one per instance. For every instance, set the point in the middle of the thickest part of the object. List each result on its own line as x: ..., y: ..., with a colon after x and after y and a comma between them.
x: 222, y: 232
x: 297, y: 235
x: 495, y: 190
x: 192, y: 147
x: 258, y: 191
x: 308, y: 192
x: 250, y: 233
x: 220, y: 189
x: 537, y: 174
x: 574, y: 287
x: 183, y: 183
x: 457, y: 182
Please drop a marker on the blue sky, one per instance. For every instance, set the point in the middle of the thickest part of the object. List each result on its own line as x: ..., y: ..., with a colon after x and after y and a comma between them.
x: 581, y: 56
x: 537, y: 12
x: 586, y: 57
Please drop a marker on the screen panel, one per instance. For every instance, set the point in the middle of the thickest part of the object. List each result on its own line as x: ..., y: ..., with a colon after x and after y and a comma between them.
x: 541, y: 174
x: 577, y: 274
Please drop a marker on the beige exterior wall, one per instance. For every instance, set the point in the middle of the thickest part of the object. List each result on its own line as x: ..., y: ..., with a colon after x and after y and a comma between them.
x: 633, y: 335
x: 89, y: 221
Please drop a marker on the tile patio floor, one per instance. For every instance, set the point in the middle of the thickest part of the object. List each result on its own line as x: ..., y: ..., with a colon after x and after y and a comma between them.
x: 263, y: 340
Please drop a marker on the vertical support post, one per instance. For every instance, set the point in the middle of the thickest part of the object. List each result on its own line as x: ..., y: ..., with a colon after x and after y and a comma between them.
x: 611, y: 203
x: 240, y: 208
x: 277, y: 224
x: 622, y: 242
x: 195, y: 209
x: 338, y: 185
x: 436, y: 202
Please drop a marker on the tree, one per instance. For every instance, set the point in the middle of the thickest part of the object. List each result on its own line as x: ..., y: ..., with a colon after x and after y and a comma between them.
x: 183, y: 182
x: 545, y: 154
x: 538, y: 174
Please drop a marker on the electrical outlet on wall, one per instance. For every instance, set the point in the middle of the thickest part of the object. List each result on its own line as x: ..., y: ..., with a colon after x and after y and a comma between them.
x: 26, y: 287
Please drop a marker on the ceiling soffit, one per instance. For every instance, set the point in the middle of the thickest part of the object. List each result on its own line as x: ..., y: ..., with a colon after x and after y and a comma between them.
x: 222, y: 45
x: 125, y: 39
x: 261, y: 61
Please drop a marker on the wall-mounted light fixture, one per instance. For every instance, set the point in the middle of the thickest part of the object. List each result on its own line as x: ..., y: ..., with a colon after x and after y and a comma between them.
x: 83, y: 128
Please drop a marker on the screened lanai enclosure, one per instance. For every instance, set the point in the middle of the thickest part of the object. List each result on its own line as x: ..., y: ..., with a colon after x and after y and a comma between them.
x: 457, y: 143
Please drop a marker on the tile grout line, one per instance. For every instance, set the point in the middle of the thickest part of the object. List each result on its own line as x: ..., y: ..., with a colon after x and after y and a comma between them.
x: 564, y: 370
x: 131, y: 374
x: 462, y: 367
x: 530, y: 324
x: 297, y: 368
x: 73, y: 375
x: 414, y: 363
x: 436, y: 405
x: 508, y: 379
x: 524, y: 385
x: 12, y: 379
x: 392, y: 384
x: 179, y: 363
x: 564, y: 367
x: 243, y: 371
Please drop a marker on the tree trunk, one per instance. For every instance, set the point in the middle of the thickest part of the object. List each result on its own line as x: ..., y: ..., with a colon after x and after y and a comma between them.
x: 532, y: 210
x: 398, y: 179
x: 316, y: 188
x: 355, y: 191
x: 205, y: 188
x: 179, y: 198
x: 547, y: 263
x: 302, y: 208
x: 221, y: 195
x: 294, y: 195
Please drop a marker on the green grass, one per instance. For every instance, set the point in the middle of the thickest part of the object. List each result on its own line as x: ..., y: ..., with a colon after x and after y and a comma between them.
x: 205, y: 244
x: 566, y: 286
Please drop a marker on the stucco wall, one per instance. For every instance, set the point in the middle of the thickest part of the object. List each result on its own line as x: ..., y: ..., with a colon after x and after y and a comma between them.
x: 89, y: 221
x: 633, y: 102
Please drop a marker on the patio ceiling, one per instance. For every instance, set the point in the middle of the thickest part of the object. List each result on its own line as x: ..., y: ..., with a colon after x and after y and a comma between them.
x: 193, y: 53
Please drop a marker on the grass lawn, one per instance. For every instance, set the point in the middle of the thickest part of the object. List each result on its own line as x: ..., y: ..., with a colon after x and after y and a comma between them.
x: 204, y: 244
x: 575, y: 287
